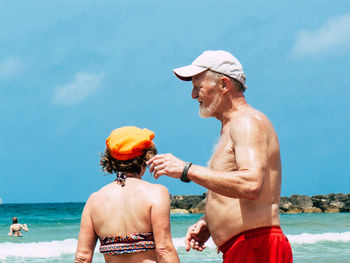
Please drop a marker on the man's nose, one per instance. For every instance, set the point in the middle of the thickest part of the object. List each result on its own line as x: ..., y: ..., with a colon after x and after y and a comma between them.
x: 194, y: 93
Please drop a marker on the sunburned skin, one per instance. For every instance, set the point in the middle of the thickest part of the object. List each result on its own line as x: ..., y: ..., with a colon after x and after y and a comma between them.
x: 243, y: 177
x: 229, y: 216
x: 15, y: 229
x: 138, y: 207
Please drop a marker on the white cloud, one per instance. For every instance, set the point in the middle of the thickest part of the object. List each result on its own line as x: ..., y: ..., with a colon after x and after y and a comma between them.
x: 332, y: 36
x: 9, y: 67
x: 84, y: 86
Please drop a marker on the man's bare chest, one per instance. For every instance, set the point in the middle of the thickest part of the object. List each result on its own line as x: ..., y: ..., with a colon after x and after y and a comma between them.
x: 223, y: 158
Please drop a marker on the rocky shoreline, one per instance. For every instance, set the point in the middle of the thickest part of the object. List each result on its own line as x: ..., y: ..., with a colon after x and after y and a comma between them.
x: 331, y: 203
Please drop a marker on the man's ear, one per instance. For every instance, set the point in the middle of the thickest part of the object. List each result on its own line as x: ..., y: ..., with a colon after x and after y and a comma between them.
x: 225, y: 83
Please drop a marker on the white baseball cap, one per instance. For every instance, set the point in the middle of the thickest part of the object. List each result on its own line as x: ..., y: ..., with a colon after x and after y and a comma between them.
x: 216, y: 60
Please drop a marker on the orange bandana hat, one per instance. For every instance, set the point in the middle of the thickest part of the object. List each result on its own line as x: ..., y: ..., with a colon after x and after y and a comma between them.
x: 128, y: 142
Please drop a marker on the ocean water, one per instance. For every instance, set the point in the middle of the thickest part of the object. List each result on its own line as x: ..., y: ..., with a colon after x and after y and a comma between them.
x: 54, y: 228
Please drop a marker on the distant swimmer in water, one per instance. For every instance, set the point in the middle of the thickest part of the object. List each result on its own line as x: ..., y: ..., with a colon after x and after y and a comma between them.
x: 15, y: 228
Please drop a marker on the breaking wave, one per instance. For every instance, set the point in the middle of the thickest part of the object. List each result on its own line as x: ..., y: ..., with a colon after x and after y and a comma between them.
x: 52, y: 249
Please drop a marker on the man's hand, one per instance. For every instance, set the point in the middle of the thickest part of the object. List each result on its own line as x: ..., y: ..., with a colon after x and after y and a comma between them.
x: 166, y: 164
x: 197, y: 235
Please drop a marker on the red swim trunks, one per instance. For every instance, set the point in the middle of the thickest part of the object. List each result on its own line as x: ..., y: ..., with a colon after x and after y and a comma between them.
x: 259, y: 245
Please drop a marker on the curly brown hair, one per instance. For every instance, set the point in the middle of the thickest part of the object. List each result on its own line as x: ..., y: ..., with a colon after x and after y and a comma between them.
x: 112, y: 165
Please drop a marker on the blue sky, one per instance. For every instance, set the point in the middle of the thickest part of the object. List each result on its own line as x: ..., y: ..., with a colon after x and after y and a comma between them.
x: 72, y: 71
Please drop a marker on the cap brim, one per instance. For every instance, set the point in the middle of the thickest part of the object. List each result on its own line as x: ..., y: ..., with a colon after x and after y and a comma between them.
x: 187, y: 72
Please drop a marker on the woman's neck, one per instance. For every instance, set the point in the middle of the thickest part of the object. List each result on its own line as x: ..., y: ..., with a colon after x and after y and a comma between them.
x: 133, y: 175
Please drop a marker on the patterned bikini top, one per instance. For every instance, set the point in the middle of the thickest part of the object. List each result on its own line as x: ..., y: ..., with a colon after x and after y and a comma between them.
x: 127, y: 243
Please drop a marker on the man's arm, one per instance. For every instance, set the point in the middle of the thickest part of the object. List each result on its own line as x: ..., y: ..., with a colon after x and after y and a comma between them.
x: 160, y: 219
x: 250, y: 148
x: 87, y: 237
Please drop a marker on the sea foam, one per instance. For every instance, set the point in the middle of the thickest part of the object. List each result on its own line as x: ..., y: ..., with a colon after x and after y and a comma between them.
x: 38, y: 249
x: 55, y: 248
x: 306, y: 238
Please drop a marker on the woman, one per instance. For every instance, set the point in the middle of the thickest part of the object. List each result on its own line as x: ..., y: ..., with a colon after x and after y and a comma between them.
x: 15, y: 228
x: 129, y: 216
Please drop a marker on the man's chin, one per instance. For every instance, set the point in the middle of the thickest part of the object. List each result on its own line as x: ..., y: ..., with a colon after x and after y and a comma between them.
x: 204, y: 114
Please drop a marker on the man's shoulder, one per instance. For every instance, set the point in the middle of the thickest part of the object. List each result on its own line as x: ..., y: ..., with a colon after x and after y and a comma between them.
x: 247, y: 118
x: 249, y: 122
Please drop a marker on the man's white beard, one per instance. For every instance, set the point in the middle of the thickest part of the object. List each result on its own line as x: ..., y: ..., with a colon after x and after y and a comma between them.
x: 207, y: 112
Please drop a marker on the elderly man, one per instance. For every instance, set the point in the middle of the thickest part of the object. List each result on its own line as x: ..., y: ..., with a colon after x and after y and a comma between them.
x: 244, y: 174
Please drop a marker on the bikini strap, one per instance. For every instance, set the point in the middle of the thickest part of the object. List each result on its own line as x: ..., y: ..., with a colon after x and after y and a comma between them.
x: 120, y: 178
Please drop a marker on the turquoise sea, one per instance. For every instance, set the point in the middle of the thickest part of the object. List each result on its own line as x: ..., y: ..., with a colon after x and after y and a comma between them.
x: 54, y: 228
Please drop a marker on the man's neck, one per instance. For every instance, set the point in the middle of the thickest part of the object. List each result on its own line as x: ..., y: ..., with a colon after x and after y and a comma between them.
x: 229, y: 108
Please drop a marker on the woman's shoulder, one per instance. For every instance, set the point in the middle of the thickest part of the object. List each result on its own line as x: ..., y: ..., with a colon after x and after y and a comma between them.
x: 150, y: 192
x: 157, y: 194
x: 155, y: 188
x: 146, y: 190
x: 99, y: 193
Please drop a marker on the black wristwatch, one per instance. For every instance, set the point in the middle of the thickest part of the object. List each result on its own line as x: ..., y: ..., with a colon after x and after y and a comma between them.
x: 184, y: 177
